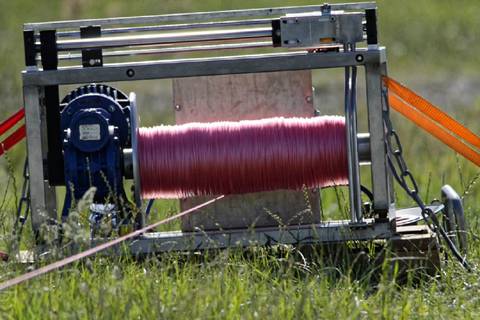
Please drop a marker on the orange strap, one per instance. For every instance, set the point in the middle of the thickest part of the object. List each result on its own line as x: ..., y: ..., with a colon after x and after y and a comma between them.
x: 433, y: 128
x: 432, y: 112
x: 433, y: 120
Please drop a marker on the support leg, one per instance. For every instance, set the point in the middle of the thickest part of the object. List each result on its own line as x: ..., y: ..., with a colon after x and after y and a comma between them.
x: 42, y: 196
x: 380, y: 176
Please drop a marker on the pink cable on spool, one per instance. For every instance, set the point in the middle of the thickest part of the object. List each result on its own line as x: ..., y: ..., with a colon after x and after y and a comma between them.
x: 242, y: 157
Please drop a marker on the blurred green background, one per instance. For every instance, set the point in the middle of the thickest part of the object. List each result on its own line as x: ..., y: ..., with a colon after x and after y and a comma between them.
x: 432, y: 47
x: 426, y: 39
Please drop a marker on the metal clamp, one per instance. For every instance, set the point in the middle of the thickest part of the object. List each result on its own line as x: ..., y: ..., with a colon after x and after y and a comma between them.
x: 91, y: 57
x: 315, y: 30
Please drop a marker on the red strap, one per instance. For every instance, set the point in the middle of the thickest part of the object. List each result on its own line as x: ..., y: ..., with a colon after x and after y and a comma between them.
x: 13, y: 139
x: 13, y: 120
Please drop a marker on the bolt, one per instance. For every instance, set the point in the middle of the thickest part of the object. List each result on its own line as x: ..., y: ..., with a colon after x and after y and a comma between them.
x: 309, y: 99
x: 359, y: 57
x: 111, y: 108
x: 130, y: 73
x: 92, y: 62
x: 178, y: 107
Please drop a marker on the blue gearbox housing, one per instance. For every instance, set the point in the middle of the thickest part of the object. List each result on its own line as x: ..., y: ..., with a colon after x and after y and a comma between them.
x: 95, y: 124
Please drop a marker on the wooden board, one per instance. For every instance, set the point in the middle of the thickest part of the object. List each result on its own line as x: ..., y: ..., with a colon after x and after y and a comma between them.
x: 243, y: 97
x: 248, y: 97
x: 416, y: 248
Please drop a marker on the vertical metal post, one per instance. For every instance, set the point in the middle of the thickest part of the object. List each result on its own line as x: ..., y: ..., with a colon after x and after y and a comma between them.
x: 386, y: 110
x: 380, y: 175
x: 354, y: 192
x: 352, y: 145
x: 381, y: 179
x: 42, y: 196
x: 49, y: 55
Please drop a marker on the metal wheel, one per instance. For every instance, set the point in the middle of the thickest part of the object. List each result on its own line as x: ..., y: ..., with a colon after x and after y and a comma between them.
x: 454, y: 218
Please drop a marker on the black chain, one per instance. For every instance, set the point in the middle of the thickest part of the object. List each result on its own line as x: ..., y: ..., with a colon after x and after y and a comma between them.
x: 406, y: 180
x: 23, y: 204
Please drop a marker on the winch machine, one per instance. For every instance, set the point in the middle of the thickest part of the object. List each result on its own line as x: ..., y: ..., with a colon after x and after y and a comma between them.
x: 89, y: 137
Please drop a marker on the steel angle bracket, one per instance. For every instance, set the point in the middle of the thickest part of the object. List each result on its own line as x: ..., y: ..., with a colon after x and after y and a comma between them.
x: 330, y: 232
x: 318, y: 29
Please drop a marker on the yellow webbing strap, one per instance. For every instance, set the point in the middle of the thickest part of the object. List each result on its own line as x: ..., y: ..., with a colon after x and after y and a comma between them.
x: 433, y: 120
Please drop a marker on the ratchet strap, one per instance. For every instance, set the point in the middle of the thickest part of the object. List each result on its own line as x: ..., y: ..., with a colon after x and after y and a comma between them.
x: 433, y: 120
x: 17, y: 135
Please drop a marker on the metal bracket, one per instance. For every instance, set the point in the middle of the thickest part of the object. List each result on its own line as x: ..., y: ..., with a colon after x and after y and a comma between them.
x: 91, y: 57
x: 29, y: 46
x: 371, y: 18
x: 48, y: 49
x: 312, y: 30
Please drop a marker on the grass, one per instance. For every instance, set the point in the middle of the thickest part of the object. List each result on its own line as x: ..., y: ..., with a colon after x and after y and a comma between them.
x: 432, y: 48
x: 231, y: 286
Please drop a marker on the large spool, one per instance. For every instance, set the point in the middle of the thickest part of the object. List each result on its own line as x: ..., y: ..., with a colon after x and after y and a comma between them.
x: 239, y: 157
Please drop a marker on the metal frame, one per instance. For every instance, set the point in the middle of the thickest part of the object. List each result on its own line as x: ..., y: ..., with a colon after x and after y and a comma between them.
x: 37, y: 79
x: 330, y: 232
x: 178, y: 68
x: 197, y: 16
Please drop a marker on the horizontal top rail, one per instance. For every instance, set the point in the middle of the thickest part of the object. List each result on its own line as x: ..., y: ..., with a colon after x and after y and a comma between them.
x: 190, y: 67
x: 171, y: 27
x: 197, y: 16
x: 136, y: 52
x: 112, y: 42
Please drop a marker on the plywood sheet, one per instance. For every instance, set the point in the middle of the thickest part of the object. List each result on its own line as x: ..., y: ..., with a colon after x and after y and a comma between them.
x: 248, y: 97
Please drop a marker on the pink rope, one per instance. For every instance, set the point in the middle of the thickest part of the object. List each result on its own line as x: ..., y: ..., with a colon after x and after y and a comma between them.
x: 101, y: 247
x: 242, y: 157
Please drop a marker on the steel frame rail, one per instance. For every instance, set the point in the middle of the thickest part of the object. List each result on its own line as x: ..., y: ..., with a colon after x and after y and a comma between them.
x: 40, y: 90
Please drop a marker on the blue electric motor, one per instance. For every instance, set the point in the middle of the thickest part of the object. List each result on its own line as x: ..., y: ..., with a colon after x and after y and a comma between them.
x: 96, y: 128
